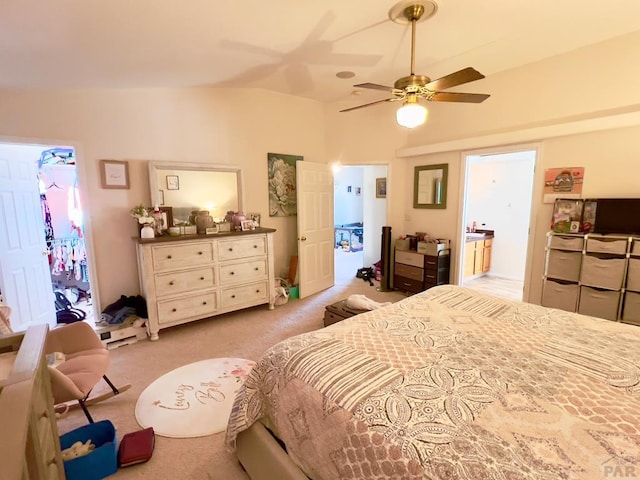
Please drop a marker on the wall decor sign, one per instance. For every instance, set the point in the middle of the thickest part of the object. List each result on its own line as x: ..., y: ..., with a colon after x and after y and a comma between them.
x: 173, y: 182
x: 282, y: 184
x: 563, y: 182
x: 114, y: 174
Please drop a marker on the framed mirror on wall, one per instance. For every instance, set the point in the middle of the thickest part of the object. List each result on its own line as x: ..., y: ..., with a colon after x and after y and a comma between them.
x: 196, y: 186
x: 430, y: 186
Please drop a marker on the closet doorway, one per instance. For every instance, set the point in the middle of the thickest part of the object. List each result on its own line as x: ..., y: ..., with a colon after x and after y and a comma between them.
x: 45, y: 229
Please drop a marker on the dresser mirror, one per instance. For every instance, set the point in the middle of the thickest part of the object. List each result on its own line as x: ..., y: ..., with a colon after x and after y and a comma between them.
x: 430, y: 186
x: 195, y: 186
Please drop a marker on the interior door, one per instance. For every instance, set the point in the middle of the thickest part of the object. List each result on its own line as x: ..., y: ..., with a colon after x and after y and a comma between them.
x: 314, y: 185
x: 25, y: 278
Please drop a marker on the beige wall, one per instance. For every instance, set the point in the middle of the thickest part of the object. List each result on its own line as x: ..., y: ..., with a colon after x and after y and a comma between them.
x: 535, y: 102
x: 190, y: 125
x: 593, y: 89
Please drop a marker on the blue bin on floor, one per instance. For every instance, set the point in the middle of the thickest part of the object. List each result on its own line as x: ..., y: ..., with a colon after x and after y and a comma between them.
x: 101, y: 462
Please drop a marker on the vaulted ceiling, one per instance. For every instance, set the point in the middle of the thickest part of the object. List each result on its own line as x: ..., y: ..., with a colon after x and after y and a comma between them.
x: 291, y: 46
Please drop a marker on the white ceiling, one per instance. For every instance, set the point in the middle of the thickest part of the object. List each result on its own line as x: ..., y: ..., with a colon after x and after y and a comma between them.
x: 290, y: 46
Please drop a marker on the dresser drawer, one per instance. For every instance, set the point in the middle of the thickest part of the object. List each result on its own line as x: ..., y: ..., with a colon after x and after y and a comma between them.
x: 439, y: 277
x: 250, y: 294
x: 599, y: 303
x: 560, y: 295
x: 633, y: 274
x: 433, y: 263
x: 242, y: 248
x: 180, y: 256
x: 410, y: 258
x: 408, y: 271
x: 567, y: 243
x: 607, y: 245
x: 631, y: 311
x: 242, y: 272
x: 184, y: 281
x: 564, y: 265
x: 407, y: 284
x: 602, y: 272
x: 183, y: 308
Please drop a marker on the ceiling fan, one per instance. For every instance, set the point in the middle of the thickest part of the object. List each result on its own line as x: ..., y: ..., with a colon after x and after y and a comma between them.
x: 414, y: 87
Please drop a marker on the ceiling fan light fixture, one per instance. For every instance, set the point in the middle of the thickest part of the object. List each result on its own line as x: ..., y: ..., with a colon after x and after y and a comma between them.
x: 411, y: 114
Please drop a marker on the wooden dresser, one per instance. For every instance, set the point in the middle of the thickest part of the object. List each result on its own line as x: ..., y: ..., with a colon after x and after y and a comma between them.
x: 29, y: 444
x: 414, y: 271
x: 191, y: 277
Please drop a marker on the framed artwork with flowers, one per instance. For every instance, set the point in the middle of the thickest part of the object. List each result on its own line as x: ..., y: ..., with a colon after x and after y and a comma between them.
x: 282, y: 184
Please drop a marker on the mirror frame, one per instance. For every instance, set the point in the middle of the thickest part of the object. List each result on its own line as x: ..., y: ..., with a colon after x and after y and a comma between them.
x: 208, y: 167
x: 445, y: 171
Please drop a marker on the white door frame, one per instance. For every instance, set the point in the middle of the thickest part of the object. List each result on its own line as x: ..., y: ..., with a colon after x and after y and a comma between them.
x: 464, y: 162
x: 81, y: 172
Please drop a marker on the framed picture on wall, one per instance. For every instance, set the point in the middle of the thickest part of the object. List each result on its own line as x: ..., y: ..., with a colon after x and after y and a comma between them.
x: 173, y: 182
x: 114, y: 174
x: 381, y: 187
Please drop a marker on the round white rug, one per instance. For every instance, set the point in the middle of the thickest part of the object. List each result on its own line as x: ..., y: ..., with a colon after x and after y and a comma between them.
x: 194, y: 400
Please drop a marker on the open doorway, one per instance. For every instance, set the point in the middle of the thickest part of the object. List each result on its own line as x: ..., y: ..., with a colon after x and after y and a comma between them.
x: 48, y: 235
x: 496, y: 216
x: 360, y: 212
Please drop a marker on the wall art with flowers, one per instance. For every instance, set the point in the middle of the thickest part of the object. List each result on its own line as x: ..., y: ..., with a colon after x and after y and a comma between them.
x: 282, y: 184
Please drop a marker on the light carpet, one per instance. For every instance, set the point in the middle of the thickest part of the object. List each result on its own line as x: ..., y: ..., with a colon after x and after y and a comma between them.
x: 194, y: 400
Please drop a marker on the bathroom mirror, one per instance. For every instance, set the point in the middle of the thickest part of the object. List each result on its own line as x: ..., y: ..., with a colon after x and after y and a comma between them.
x: 195, y: 186
x: 430, y: 186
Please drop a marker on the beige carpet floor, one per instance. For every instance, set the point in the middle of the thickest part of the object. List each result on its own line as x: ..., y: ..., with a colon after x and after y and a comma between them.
x: 245, y: 334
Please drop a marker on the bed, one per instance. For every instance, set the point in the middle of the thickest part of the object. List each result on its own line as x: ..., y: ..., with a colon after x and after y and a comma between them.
x: 446, y: 384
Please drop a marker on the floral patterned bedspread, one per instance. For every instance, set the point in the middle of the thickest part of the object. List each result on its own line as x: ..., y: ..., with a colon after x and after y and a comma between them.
x: 453, y: 384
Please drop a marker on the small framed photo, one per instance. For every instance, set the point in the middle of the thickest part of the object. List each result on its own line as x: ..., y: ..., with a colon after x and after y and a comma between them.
x: 255, y: 217
x: 381, y: 187
x: 247, y: 225
x: 167, y: 219
x: 114, y: 174
x: 173, y: 182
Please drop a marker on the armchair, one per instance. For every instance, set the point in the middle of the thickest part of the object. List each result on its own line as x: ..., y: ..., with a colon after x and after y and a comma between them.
x: 85, y: 361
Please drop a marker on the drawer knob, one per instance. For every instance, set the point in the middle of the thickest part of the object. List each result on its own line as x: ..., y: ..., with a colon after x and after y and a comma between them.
x: 258, y: 291
x: 204, y: 303
x: 231, y: 273
x: 201, y: 278
x: 231, y: 249
x: 174, y: 310
x: 233, y: 296
x: 255, y: 246
x: 256, y: 269
x: 169, y: 257
x: 200, y: 253
x: 171, y: 282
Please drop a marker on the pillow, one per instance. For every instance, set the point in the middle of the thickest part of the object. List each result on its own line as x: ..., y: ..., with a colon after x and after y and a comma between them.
x: 5, y: 324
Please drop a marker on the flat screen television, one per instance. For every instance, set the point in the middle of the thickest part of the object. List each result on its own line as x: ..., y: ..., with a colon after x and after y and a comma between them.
x: 617, y: 215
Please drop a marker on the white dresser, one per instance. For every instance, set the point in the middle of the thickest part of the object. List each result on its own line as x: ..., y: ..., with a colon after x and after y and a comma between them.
x: 191, y: 277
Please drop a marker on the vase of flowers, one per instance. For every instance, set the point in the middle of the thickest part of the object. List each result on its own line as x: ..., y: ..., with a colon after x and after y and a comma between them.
x: 145, y: 221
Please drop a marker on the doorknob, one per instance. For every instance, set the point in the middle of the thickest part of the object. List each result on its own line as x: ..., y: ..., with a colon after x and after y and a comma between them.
x: 302, y: 238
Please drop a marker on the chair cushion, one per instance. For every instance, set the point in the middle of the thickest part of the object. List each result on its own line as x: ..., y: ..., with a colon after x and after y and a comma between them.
x: 84, y: 370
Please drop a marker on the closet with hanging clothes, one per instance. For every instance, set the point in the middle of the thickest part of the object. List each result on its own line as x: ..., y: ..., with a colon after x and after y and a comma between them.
x: 62, y: 214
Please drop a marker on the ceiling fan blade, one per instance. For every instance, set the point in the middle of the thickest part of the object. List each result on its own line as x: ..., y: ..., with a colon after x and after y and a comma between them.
x: 374, y: 86
x: 369, y: 104
x: 459, y: 97
x: 465, y: 75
